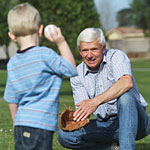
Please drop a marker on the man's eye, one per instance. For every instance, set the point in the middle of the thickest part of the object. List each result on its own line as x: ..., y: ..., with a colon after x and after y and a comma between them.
x: 84, y: 50
x: 94, y: 49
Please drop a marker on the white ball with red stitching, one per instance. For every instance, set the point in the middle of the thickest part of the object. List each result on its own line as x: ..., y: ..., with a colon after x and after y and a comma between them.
x: 50, y: 27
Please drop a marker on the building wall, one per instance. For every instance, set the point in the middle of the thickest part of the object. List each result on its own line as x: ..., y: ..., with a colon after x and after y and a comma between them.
x: 12, y: 50
x: 131, y: 45
x: 115, y: 36
x: 2, y: 52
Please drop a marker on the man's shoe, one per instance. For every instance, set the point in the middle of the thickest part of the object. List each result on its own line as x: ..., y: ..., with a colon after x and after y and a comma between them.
x: 115, y: 146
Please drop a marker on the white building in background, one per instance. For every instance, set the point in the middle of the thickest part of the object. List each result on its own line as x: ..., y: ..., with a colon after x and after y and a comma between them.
x: 130, y: 40
x: 12, y: 50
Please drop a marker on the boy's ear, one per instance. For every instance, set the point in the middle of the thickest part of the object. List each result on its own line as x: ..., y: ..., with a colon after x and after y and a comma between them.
x: 12, y: 36
x: 40, y: 31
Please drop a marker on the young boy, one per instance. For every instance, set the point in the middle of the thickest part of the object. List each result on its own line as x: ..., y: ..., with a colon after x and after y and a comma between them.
x: 34, y: 79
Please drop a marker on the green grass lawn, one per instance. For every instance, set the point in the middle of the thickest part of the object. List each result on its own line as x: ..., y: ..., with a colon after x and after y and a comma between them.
x: 6, y: 127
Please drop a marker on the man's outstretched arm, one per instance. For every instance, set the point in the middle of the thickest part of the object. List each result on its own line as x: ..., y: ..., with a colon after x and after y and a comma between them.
x: 87, y: 107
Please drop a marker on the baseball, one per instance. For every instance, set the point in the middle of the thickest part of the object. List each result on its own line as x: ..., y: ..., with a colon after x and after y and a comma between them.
x: 50, y: 27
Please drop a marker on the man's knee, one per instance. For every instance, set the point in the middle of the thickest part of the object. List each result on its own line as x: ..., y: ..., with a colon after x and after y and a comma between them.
x: 67, y: 139
x: 126, y: 100
x: 62, y: 138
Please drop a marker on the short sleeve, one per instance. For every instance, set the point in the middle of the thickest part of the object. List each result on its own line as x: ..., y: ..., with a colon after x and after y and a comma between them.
x: 120, y: 64
x: 60, y: 66
x: 10, y: 93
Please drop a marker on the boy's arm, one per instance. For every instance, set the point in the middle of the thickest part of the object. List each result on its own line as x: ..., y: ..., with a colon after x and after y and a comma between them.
x: 66, y: 52
x: 56, y: 37
x: 13, y: 107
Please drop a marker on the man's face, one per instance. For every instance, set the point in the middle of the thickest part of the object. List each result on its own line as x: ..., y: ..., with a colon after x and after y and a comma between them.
x: 92, y: 54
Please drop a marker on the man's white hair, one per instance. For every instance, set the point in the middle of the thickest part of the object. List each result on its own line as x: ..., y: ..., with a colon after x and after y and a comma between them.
x: 91, y: 34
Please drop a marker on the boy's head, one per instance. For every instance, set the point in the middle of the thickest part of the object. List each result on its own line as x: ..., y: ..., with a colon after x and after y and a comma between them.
x: 23, y: 20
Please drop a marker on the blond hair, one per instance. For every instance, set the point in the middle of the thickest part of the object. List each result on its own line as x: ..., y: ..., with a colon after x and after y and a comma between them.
x: 91, y: 34
x: 23, y: 20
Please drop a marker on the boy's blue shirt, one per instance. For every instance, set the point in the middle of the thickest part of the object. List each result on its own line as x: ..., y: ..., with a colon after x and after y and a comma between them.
x: 33, y: 82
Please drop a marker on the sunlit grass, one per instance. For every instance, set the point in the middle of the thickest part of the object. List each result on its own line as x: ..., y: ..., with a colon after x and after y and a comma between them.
x: 6, y: 127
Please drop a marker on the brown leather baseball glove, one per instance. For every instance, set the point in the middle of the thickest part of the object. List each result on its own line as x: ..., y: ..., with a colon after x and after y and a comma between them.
x: 67, y: 123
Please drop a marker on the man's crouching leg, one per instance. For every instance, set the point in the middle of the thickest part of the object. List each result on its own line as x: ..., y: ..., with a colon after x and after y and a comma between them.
x: 70, y: 139
x: 134, y: 123
x: 128, y: 120
x: 95, y: 136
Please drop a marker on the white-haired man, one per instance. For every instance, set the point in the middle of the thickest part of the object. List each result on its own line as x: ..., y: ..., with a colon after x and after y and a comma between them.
x: 105, y: 86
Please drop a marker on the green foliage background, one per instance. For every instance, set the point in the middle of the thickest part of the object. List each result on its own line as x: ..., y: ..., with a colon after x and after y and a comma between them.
x: 72, y: 16
x: 140, y: 12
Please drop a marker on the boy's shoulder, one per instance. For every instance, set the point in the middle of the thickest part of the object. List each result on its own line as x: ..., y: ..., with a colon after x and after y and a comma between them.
x: 38, y: 50
x: 44, y: 49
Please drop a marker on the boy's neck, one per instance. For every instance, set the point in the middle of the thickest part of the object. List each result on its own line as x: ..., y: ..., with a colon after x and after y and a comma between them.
x: 28, y: 41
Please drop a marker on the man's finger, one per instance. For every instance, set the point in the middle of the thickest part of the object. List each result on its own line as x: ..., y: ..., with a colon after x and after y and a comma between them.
x: 78, y: 104
x: 85, y: 116
x: 81, y: 116
x: 77, y: 113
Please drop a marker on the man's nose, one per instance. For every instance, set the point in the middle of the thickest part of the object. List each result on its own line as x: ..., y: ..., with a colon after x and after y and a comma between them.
x: 89, y: 54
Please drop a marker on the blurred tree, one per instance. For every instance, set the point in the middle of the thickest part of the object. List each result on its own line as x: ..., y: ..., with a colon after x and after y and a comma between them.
x: 124, y: 17
x: 140, y: 11
x: 71, y: 16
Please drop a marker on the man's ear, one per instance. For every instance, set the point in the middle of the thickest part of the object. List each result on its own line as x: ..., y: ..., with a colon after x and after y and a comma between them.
x: 12, y: 36
x: 40, y: 31
x: 104, y: 48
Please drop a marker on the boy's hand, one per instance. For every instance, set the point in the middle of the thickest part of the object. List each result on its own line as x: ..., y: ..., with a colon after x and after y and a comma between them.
x: 53, y: 33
